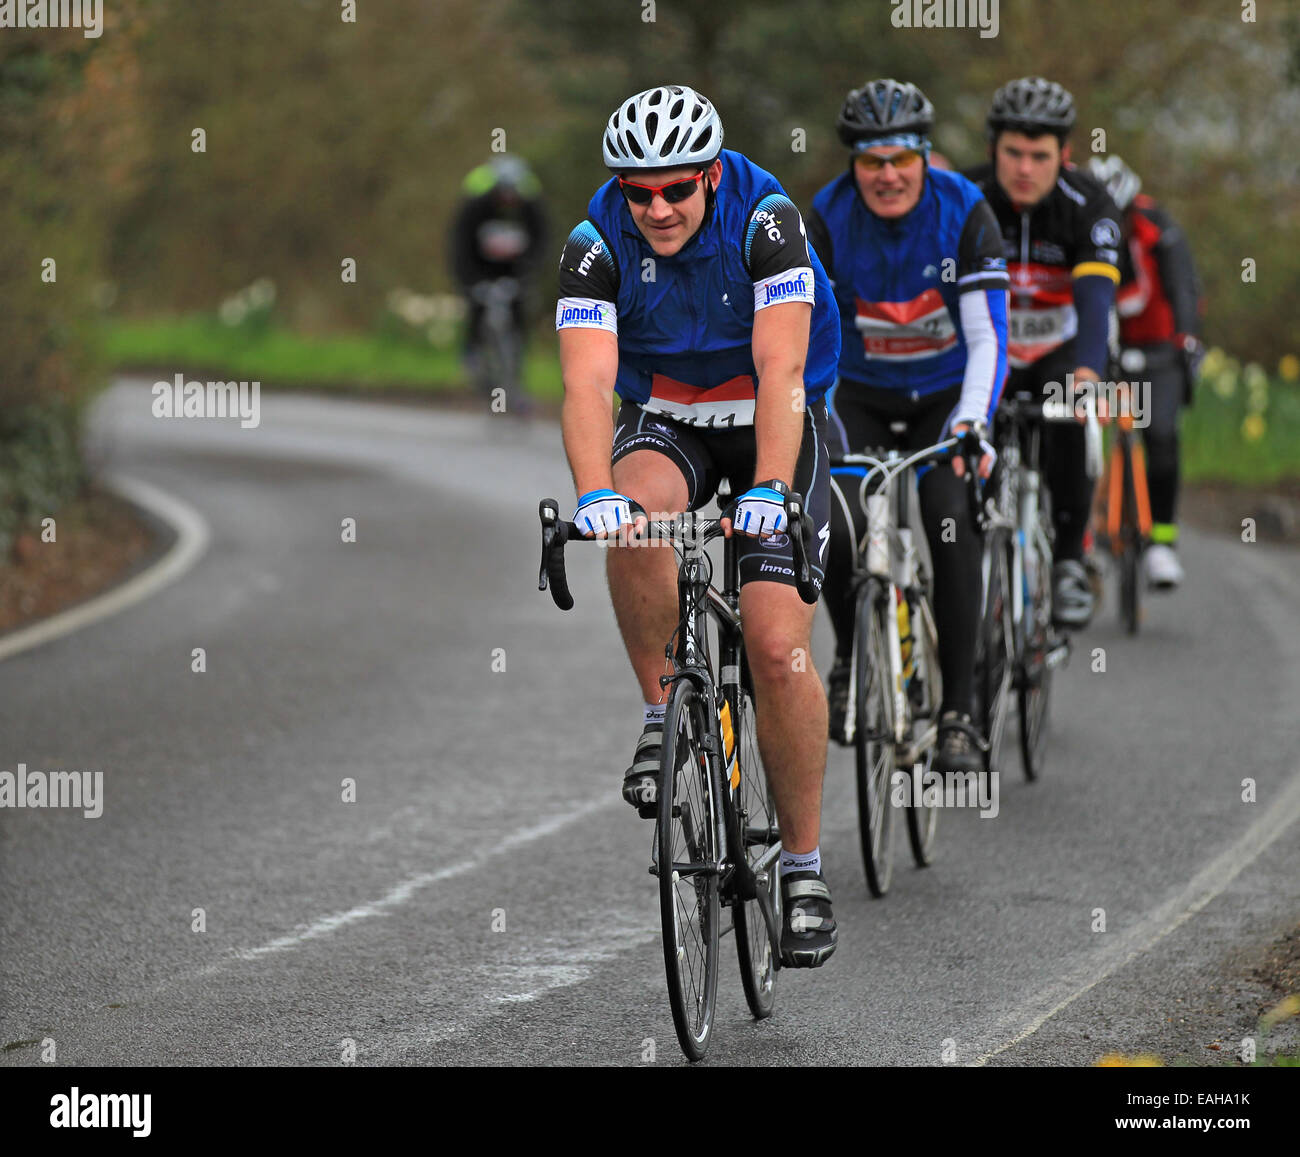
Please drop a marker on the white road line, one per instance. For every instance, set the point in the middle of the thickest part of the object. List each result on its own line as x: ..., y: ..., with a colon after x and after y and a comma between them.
x: 401, y: 893
x: 1208, y: 883
x: 1255, y: 581
x: 192, y: 536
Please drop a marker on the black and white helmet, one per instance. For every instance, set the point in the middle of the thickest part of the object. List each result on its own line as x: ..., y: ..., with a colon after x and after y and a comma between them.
x: 882, y: 108
x: 1032, y: 105
x: 1121, y: 182
x: 663, y: 128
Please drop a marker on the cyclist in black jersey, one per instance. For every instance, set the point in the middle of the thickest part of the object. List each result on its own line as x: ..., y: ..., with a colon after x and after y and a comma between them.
x: 1061, y: 234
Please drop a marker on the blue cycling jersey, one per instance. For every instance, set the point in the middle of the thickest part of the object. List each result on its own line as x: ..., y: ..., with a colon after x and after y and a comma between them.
x: 899, y: 281
x: 685, y: 323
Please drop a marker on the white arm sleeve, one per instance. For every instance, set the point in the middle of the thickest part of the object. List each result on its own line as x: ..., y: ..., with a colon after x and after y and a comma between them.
x: 981, y: 358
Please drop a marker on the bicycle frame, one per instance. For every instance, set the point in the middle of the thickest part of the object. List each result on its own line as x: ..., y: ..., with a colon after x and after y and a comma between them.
x: 891, y: 558
x: 697, y: 600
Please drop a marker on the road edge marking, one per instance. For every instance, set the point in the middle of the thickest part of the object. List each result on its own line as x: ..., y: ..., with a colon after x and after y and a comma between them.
x: 192, y: 538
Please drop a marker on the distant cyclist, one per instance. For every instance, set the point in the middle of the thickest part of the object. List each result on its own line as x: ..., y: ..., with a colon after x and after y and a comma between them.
x: 499, y: 231
x: 1062, y: 238
x: 915, y: 255
x: 690, y: 292
x: 1159, y: 310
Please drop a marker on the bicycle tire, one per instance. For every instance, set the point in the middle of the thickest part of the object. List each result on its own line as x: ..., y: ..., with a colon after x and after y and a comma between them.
x: 922, y: 819
x: 499, y: 365
x: 757, y: 822
x: 873, y: 741
x: 995, y: 653
x: 1034, y: 676
x: 1130, y: 559
x: 687, y: 832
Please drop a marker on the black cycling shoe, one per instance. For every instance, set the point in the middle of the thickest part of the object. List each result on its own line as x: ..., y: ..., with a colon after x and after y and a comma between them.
x: 641, y: 781
x: 837, y: 699
x: 1072, y: 599
x: 808, y: 933
x: 961, y: 747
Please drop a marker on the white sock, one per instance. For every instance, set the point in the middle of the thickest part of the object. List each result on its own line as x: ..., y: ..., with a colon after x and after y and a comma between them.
x: 801, y: 861
x: 654, y: 712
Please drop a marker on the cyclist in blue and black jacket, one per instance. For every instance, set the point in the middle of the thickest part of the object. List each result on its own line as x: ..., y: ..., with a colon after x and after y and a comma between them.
x: 690, y: 291
x: 915, y: 255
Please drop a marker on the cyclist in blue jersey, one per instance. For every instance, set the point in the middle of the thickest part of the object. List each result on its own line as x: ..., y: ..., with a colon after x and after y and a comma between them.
x: 915, y: 255
x: 690, y: 291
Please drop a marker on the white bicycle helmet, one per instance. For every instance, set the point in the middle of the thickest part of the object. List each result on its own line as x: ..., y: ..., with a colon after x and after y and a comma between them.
x: 1121, y: 182
x: 663, y: 128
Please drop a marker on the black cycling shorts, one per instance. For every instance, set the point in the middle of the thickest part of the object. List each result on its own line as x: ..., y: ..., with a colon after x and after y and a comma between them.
x: 707, y: 455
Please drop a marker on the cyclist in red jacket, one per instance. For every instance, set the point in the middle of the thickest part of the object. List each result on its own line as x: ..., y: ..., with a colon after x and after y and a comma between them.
x: 1159, y: 304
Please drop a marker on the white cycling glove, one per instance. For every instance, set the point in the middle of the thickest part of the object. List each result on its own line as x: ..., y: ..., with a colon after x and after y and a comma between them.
x: 602, y: 511
x: 761, y: 509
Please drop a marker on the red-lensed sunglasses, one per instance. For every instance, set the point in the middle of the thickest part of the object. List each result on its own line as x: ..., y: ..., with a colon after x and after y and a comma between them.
x: 673, y: 192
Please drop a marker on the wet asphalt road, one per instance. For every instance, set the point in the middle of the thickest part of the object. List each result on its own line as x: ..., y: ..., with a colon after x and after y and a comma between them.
x: 484, y: 900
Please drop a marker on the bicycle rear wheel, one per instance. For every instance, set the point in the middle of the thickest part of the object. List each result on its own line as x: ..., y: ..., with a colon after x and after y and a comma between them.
x: 874, y: 737
x: 687, y: 859
x: 761, y: 840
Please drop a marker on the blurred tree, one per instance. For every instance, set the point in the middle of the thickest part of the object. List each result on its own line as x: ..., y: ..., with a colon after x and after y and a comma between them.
x: 67, y: 151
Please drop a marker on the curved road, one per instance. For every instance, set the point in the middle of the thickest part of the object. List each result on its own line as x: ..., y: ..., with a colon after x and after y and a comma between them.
x: 485, y: 899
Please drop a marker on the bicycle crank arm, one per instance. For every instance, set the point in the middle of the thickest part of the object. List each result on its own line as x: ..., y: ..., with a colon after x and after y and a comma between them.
x: 769, y: 917
x: 920, y: 744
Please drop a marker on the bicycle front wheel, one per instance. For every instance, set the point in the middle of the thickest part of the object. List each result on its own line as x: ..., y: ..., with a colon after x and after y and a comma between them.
x: 874, y: 736
x: 995, y: 655
x: 1034, y: 673
x: 687, y: 861
x: 761, y: 840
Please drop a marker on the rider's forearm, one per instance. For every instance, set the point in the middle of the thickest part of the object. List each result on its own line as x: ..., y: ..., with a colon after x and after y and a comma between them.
x: 587, y: 422
x: 984, y: 325
x: 1093, y: 297
x: 778, y: 422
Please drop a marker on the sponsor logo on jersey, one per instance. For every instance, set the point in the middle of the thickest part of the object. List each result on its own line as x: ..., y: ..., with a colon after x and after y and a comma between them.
x: 772, y: 568
x: 776, y: 542
x: 592, y: 253
x: 572, y: 314
x: 667, y: 431
x: 586, y: 313
x: 1047, y: 252
x: 1105, y: 233
x: 796, y: 287
x: 769, y: 223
